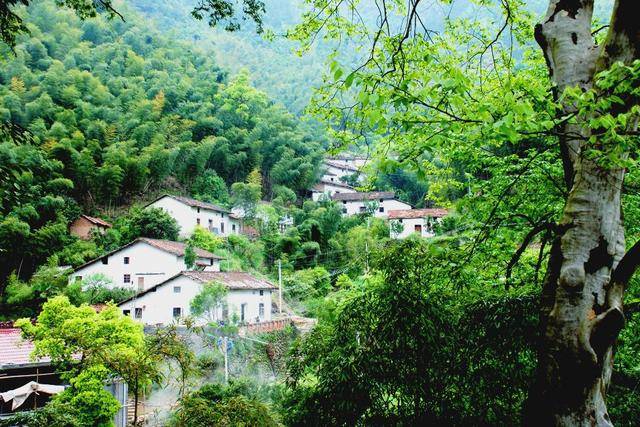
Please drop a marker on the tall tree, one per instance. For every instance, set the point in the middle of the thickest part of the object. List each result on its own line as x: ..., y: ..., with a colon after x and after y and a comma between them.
x: 442, y: 100
x: 588, y: 268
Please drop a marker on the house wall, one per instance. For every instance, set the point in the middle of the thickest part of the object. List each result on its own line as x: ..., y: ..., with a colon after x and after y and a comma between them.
x: 152, y: 264
x: 187, y: 217
x: 354, y: 207
x: 329, y: 190
x: 82, y: 227
x: 157, y: 306
x: 339, y: 172
x: 409, y: 224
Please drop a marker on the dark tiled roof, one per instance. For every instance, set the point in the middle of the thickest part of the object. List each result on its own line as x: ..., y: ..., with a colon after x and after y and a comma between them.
x: 231, y: 279
x: 97, y: 221
x: 418, y: 213
x: 193, y: 203
x: 176, y: 248
x: 318, y: 186
x: 341, y: 165
x: 236, y: 280
x: 373, y: 195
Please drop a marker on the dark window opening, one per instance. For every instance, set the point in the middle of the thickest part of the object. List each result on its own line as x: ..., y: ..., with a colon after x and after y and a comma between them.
x: 138, y: 313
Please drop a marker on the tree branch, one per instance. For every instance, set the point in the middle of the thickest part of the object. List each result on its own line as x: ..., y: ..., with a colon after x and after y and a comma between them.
x: 627, y: 265
x: 542, y: 226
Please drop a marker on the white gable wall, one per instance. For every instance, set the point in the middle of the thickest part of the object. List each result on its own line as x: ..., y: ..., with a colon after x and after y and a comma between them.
x: 157, y: 306
x: 147, y: 262
x: 409, y: 224
x: 187, y: 217
x: 354, y: 207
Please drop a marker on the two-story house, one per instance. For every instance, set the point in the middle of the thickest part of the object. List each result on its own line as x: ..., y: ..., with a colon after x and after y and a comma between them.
x: 144, y: 263
x: 248, y: 298
x: 190, y: 213
x: 328, y: 188
x: 404, y: 223
x: 378, y: 203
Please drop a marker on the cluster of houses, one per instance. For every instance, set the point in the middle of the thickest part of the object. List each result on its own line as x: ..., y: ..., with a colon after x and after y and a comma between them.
x: 157, y: 270
x: 404, y: 220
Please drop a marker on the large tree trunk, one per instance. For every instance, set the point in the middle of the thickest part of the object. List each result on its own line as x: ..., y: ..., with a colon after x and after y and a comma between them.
x: 581, y: 310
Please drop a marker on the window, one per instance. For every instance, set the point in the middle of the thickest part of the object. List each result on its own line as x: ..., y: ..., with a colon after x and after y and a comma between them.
x: 126, y: 260
x: 261, y: 293
x: 381, y: 200
x: 105, y: 260
x: 344, y: 211
x: 78, y: 278
x: 233, y: 227
x: 221, y: 214
x: 344, y: 202
x: 198, y: 221
x: 363, y: 209
x: 381, y: 209
x: 138, y: 313
x: 210, y: 224
x: 127, y: 278
x: 222, y: 227
x: 261, y: 310
x: 198, y: 210
x: 140, y: 284
x: 176, y: 289
x: 417, y: 228
x: 177, y: 312
x: 126, y: 312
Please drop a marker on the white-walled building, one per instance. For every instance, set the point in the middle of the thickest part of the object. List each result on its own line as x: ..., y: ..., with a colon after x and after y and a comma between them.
x: 144, y: 263
x: 248, y: 298
x: 379, y: 203
x: 327, y: 189
x: 404, y: 223
x: 190, y: 213
x: 334, y: 170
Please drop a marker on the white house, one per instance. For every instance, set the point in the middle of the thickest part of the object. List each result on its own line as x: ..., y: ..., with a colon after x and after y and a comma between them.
x: 191, y: 212
x: 144, y: 263
x: 328, y: 188
x: 379, y: 203
x: 248, y: 298
x: 404, y: 223
x: 335, y: 170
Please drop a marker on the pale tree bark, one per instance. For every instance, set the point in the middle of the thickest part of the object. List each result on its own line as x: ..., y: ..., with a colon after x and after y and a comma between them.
x: 581, y: 310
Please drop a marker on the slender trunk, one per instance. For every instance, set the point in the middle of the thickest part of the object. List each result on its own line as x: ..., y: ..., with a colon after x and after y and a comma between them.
x: 581, y: 306
x: 136, y: 391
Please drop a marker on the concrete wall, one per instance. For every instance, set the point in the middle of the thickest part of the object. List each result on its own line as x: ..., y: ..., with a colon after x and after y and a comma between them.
x: 355, y: 207
x: 187, y: 217
x: 157, y: 306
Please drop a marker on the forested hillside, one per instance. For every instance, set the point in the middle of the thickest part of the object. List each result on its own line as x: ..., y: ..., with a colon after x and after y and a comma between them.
x: 117, y: 113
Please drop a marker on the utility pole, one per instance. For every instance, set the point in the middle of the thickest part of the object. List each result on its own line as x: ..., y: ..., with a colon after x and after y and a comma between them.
x: 225, y: 347
x: 280, y: 286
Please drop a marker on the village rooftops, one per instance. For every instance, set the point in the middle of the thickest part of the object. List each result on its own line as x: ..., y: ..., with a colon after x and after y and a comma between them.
x: 193, y: 203
x: 373, y: 195
x: 341, y: 165
x: 96, y: 221
x: 176, y: 248
x: 232, y: 280
x: 418, y: 213
x: 318, y: 186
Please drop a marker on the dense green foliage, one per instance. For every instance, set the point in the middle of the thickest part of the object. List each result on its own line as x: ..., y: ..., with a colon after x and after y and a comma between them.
x: 116, y: 110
